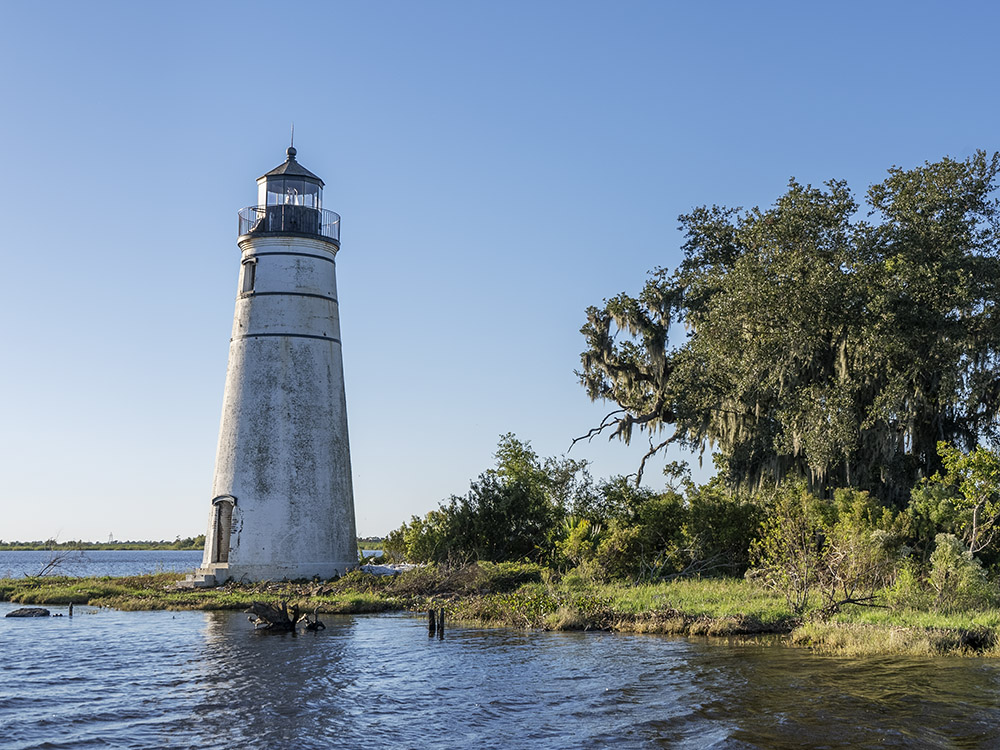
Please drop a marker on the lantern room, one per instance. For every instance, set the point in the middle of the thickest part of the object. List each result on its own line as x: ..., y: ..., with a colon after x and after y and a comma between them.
x: 291, y: 184
x: 290, y: 201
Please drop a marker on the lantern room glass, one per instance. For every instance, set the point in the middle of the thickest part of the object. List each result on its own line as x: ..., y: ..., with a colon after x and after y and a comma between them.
x: 289, y: 191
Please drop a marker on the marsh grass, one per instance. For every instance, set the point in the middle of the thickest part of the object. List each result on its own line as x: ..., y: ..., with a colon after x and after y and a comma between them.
x: 710, y: 598
x: 858, y: 639
x: 521, y: 595
x: 159, y: 591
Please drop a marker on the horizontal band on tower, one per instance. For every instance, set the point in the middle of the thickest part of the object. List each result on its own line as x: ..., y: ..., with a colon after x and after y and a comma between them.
x: 286, y: 335
x: 301, y: 255
x: 289, y: 294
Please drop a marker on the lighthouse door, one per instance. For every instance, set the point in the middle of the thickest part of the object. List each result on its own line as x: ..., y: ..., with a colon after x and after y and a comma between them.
x: 223, y: 527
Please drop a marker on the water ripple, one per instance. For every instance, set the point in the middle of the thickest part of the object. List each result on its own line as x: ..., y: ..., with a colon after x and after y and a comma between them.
x: 107, y: 679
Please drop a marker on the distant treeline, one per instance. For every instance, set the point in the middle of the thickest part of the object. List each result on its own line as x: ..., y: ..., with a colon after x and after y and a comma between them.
x: 188, y: 543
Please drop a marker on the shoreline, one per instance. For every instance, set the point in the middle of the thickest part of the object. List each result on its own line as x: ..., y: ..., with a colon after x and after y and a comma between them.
x: 516, y: 596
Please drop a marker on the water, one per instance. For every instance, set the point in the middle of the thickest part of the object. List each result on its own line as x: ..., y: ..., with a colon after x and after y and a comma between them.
x: 104, y: 562
x: 200, y: 679
x: 98, y: 562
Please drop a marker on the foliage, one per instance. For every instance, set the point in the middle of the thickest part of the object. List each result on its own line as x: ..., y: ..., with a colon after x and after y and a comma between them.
x: 789, y: 553
x: 651, y: 547
x: 615, y: 499
x: 976, y: 477
x: 818, y: 345
x: 957, y: 578
x: 931, y: 511
x: 844, y: 550
x: 579, y: 544
x: 720, y: 528
x: 708, y: 531
x: 862, y: 549
x: 511, y: 512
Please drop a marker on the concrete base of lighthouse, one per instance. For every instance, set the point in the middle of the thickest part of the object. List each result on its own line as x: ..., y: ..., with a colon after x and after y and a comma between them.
x: 217, y: 574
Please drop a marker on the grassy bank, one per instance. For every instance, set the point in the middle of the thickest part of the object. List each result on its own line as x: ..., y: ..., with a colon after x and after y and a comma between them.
x: 526, y: 596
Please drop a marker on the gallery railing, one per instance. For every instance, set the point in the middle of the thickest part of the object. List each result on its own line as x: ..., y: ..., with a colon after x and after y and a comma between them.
x: 290, y: 219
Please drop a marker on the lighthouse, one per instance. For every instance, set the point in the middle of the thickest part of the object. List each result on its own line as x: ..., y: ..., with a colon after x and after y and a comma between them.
x: 282, y: 500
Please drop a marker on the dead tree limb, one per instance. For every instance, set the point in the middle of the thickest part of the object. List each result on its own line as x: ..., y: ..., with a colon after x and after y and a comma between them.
x: 312, y: 621
x: 594, y: 431
x: 271, y: 617
x: 279, y: 618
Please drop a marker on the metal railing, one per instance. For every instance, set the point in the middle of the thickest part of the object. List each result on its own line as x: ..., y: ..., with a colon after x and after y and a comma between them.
x: 290, y: 219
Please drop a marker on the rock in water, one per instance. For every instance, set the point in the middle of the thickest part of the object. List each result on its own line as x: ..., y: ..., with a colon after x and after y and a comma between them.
x: 29, y: 612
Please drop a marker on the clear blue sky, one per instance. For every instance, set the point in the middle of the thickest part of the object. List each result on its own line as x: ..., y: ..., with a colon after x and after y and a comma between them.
x: 498, y: 166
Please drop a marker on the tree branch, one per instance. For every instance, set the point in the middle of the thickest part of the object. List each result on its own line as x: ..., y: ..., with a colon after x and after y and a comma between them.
x: 594, y: 431
x: 650, y: 453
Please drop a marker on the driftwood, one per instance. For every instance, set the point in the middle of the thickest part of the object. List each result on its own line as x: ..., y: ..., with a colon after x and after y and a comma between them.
x: 28, y: 612
x: 281, y: 618
x: 315, y: 623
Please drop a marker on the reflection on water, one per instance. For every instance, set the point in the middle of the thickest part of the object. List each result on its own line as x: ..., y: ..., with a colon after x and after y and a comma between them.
x: 254, y: 687
x: 194, y: 679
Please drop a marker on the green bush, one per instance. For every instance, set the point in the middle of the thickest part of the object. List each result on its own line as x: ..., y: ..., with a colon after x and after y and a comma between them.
x: 511, y: 512
x: 788, y: 555
x: 844, y: 549
x: 957, y: 578
x: 720, y: 528
x: 909, y: 589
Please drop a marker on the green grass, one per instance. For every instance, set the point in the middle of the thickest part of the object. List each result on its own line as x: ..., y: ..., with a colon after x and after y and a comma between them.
x: 716, y: 597
x: 859, y: 639
x: 692, y: 607
x: 527, y: 596
x: 158, y: 591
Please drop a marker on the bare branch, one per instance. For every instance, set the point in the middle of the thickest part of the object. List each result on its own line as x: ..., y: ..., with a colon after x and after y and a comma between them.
x: 594, y: 431
x: 651, y: 452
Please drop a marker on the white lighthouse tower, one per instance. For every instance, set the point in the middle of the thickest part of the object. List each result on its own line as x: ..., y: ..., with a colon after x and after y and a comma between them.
x: 282, y: 499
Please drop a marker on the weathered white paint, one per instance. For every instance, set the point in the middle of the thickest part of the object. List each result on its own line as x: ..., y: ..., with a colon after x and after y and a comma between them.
x: 283, y: 449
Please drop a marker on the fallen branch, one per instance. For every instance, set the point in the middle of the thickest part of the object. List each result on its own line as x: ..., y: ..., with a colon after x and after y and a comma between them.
x: 864, y: 601
x: 282, y: 619
x: 269, y: 617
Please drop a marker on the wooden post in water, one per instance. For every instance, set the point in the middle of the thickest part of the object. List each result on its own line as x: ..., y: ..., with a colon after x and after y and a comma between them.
x: 440, y: 622
x: 71, y: 609
x: 430, y: 623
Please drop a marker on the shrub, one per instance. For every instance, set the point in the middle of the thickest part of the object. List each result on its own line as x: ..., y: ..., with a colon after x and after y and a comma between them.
x: 845, y: 549
x: 957, y: 578
x: 789, y: 553
x: 720, y: 529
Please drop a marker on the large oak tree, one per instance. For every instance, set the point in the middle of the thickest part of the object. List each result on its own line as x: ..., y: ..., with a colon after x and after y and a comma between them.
x: 813, y: 340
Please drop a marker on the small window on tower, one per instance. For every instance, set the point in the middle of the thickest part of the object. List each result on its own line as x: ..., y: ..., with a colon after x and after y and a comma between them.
x: 249, y: 275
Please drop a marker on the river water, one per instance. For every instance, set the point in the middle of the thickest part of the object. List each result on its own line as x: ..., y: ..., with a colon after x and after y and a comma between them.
x: 17, y: 564
x: 206, y: 679
x: 101, y: 562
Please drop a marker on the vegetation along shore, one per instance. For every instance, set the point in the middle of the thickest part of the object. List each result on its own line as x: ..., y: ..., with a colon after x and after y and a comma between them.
x: 526, y: 595
x: 839, y: 363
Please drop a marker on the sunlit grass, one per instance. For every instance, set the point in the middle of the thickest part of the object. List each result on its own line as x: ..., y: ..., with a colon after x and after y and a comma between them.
x: 857, y: 639
x: 527, y: 596
x: 716, y: 597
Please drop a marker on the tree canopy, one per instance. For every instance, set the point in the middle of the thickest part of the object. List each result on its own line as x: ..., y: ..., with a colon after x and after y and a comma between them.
x: 809, y: 340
